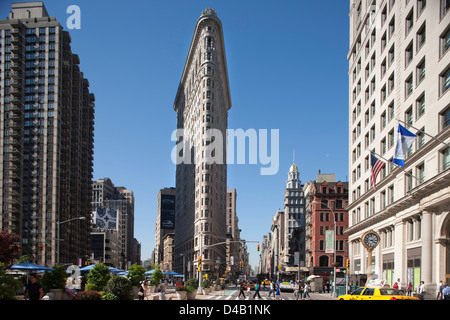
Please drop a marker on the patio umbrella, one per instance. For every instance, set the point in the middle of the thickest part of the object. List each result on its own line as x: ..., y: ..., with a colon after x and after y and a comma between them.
x: 150, y: 272
x: 173, y: 273
x: 28, y: 266
x: 87, y: 268
x: 115, y: 270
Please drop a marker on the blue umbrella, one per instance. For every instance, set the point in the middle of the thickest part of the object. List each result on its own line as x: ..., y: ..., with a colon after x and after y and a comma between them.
x: 28, y: 266
x: 173, y: 273
x: 150, y: 272
x: 90, y: 267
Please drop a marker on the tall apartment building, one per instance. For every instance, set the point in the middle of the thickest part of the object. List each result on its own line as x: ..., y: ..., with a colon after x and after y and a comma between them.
x: 202, y: 103
x: 326, y: 207
x: 46, y: 134
x: 399, y: 69
x: 165, y: 221
x: 121, y: 200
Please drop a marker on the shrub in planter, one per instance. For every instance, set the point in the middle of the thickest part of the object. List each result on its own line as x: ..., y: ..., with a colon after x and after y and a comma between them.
x: 156, y: 277
x: 206, y: 284
x: 119, y: 287
x: 54, y: 279
x: 191, y: 285
x: 98, y: 277
x: 136, y: 274
x: 8, y: 285
x: 88, y: 295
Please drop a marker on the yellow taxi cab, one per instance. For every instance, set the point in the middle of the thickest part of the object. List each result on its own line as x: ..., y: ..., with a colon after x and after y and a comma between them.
x: 376, y: 293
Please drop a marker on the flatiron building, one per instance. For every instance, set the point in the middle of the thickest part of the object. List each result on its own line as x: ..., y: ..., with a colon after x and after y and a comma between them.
x: 202, y: 103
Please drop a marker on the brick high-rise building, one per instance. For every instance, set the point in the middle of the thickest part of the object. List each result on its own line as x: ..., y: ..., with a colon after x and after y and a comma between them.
x: 326, y: 207
x: 46, y: 136
x: 202, y: 103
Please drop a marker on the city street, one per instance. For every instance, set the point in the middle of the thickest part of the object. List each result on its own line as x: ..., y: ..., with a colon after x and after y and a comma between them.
x: 232, y: 293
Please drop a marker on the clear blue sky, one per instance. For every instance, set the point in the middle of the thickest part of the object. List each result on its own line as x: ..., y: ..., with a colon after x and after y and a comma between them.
x: 287, y: 69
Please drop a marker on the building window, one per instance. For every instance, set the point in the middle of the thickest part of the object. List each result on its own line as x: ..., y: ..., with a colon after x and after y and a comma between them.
x: 408, y: 86
x: 391, y: 55
x: 420, y: 106
x: 420, y: 72
x: 421, y: 4
x: 409, y: 22
x: 445, y: 118
x: 420, y: 171
x: 445, y: 42
x: 445, y: 6
x: 445, y: 159
x: 421, y: 37
x: 391, y: 194
x: 444, y: 81
x: 409, y: 116
x: 391, y: 27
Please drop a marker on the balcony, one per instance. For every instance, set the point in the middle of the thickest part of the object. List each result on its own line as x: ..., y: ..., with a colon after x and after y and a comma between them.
x: 16, y: 83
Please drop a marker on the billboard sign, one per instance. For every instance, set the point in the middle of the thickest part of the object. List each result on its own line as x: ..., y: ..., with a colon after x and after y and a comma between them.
x: 167, y: 211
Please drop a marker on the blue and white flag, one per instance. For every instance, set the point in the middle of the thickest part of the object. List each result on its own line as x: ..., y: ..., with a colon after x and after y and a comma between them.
x: 404, y: 140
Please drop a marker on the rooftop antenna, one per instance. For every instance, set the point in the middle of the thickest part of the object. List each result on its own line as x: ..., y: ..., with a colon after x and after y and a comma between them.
x: 293, y: 157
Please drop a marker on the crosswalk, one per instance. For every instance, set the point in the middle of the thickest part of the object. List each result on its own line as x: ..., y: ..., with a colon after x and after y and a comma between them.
x: 234, y: 295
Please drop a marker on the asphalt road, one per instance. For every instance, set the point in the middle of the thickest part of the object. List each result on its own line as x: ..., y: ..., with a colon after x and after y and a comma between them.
x: 232, y: 293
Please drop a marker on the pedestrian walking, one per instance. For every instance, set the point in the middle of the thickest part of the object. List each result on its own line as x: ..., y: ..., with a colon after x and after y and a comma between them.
x: 328, y: 287
x: 241, y: 289
x: 248, y: 289
x: 33, y: 289
x: 446, y: 292
x: 297, y: 290
x: 143, y: 290
x: 257, y: 288
x: 395, y: 286
x: 440, y: 287
x: 278, y: 293
x: 422, y: 290
x: 306, y: 291
x: 222, y: 287
x: 409, y: 290
x: 272, y: 289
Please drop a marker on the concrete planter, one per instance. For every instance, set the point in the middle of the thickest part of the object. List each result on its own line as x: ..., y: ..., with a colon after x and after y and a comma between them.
x: 57, y: 294
x: 191, y: 295
x: 206, y: 291
x: 181, y: 295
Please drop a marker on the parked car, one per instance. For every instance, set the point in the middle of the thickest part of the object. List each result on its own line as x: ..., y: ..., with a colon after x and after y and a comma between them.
x: 376, y: 293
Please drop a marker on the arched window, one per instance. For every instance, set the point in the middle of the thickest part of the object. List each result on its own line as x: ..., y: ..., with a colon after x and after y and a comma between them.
x: 323, y: 261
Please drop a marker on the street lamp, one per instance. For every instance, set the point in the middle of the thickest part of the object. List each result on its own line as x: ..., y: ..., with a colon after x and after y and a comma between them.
x: 334, y: 246
x: 58, y: 223
x: 184, y: 270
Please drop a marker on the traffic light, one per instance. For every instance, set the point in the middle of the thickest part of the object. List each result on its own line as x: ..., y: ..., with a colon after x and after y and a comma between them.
x: 257, y: 247
x: 18, y: 248
x: 347, y: 263
x: 42, y: 246
x: 199, y: 260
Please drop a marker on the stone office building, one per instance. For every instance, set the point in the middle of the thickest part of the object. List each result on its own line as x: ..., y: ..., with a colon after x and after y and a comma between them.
x: 202, y: 103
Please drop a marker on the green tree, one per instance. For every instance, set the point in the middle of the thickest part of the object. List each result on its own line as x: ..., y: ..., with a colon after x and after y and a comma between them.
x: 118, y: 288
x: 156, y: 278
x: 8, y: 285
x: 98, y: 277
x: 54, y: 279
x: 136, y: 274
x: 8, y: 247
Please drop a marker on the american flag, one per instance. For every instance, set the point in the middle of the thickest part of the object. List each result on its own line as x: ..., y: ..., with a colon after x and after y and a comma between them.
x: 375, y: 167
